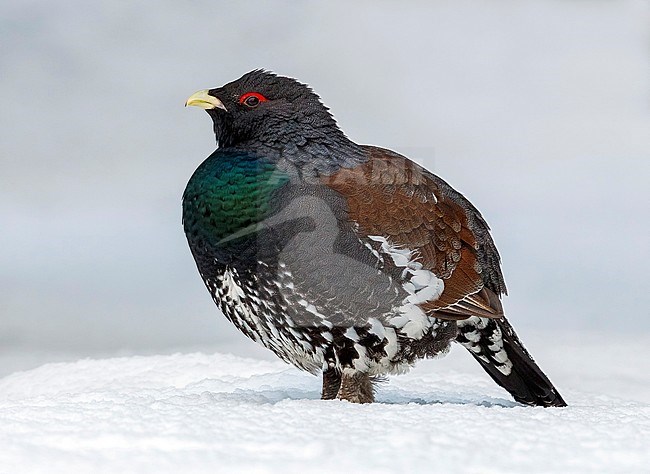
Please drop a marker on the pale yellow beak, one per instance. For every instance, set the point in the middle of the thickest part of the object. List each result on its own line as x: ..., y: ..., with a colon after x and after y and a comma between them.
x: 205, y: 101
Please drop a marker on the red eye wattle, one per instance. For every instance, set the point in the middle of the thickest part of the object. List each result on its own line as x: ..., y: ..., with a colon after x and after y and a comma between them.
x: 252, y: 99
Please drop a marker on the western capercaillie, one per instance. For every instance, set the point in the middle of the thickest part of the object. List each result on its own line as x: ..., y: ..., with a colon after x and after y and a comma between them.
x: 343, y: 258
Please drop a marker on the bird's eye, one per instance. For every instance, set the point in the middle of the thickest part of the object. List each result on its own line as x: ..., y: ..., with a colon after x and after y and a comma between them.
x: 252, y: 99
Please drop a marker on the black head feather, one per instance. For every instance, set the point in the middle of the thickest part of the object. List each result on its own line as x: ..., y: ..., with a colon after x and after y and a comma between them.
x: 284, y: 111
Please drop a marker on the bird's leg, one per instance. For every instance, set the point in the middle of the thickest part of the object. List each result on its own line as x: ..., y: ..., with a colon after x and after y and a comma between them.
x: 331, y: 384
x: 356, y: 387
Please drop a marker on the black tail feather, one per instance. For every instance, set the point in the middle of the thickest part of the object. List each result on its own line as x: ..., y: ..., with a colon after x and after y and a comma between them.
x: 495, y: 346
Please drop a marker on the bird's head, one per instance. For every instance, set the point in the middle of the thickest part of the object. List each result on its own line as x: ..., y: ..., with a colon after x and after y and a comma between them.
x: 262, y: 107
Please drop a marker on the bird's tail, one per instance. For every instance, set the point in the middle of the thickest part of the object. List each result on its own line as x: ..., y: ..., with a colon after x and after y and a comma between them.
x: 494, y: 344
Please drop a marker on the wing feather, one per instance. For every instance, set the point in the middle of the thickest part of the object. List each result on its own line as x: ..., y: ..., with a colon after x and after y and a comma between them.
x: 393, y: 197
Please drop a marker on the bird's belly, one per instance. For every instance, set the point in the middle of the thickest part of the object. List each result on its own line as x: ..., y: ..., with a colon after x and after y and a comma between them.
x: 252, y: 303
x: 262, y: 305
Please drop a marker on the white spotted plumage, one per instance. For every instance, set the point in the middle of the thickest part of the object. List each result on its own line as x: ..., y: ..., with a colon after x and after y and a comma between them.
x: 254, y: 316
x: 242, y: 306
x: 421, y: 285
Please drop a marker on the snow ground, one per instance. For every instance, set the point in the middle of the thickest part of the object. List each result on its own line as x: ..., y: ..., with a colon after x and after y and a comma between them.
x: 196, y: 413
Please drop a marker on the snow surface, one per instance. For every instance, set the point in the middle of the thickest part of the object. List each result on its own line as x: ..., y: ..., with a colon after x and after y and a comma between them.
x: 196, y: 413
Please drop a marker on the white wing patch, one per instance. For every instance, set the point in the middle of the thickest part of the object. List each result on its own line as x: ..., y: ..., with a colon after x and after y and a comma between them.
x: 421, y: 285
x: 400, y: 255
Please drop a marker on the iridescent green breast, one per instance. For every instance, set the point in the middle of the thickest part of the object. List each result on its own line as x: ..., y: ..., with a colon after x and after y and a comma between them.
x: 228, y: 195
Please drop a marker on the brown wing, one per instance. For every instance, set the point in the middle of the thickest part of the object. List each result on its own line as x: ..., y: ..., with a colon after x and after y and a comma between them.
x: 391, y: 196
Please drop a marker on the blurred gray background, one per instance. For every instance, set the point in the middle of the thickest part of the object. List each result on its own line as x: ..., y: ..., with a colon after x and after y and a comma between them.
x: 538, y: 111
